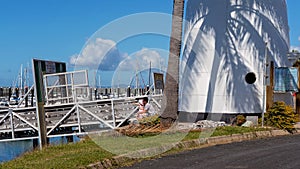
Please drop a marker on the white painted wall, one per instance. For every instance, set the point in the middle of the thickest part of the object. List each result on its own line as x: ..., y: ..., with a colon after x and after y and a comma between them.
x: 224, y: 40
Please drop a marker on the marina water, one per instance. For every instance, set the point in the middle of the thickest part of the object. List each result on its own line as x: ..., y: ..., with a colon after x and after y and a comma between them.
x: 13, y: 149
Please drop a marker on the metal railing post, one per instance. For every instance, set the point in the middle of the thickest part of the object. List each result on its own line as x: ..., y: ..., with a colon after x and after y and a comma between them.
x: 12, y: 123
x: 113, y: 113
x: 78, y: 117
x: 67, y: 88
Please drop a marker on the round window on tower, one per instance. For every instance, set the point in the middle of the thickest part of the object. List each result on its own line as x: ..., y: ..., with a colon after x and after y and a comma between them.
x: 250, y: 78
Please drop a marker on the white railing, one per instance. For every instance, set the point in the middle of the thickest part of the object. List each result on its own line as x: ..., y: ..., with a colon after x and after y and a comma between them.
x: 71, y: 118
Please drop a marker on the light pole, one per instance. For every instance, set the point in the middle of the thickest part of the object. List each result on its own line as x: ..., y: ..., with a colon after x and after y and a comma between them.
x: 265, y: 76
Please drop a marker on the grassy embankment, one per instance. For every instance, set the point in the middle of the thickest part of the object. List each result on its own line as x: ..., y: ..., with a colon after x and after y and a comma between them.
x: 76, y: 155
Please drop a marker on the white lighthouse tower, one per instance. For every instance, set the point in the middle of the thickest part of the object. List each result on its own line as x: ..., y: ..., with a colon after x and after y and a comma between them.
x: 225, y: 50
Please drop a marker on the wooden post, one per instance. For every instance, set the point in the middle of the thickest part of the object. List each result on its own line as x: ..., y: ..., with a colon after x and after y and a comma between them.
x: 42, y: 125
x: 91, y: 94
x: 26, y: 99
x: 9, y: 93
x: 39, y: 95
x: 96, y: 93
x: 128, y: 91
x: 39, y: 68
x: 270, y: 88
x: 32, y: 96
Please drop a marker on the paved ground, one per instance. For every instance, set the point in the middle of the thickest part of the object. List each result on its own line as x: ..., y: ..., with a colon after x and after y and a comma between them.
x: 274, y: 153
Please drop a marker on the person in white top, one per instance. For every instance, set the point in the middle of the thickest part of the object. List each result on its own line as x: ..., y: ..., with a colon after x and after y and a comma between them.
x: 145, y: 109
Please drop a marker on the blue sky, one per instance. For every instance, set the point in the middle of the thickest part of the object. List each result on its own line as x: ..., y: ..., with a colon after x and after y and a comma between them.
x: 294, y: 23
x: 58, y: 29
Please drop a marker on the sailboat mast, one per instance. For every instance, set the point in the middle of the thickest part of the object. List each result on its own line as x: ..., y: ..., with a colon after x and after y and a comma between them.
x: 25, y: 77
x: 137, y: 80
x: 95, y: 79
x: 21, y: 80
x: 149, y: 75
x: 99, y: 81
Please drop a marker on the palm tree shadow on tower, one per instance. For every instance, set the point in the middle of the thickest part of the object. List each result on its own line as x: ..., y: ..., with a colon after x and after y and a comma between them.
x: 238, y: 45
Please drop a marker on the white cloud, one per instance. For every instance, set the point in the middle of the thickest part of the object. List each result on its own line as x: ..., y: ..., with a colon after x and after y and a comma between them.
x: 141, y: 60
x: 101, y: 53
x: 299, y: 38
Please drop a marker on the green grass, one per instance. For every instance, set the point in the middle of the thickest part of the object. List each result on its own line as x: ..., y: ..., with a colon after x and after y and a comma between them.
x: 229, y: 130
x: 124, y: 144
x: 222, y: 131
x: 73, y: 155
x: 76, y: 155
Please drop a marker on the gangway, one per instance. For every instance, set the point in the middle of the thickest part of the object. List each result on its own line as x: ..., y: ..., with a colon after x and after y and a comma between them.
x: 66, y: 114
x: 71, y: 118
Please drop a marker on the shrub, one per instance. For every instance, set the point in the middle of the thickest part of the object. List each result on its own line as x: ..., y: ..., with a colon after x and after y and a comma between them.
x: 281, y: 116
x: 150, y: 121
